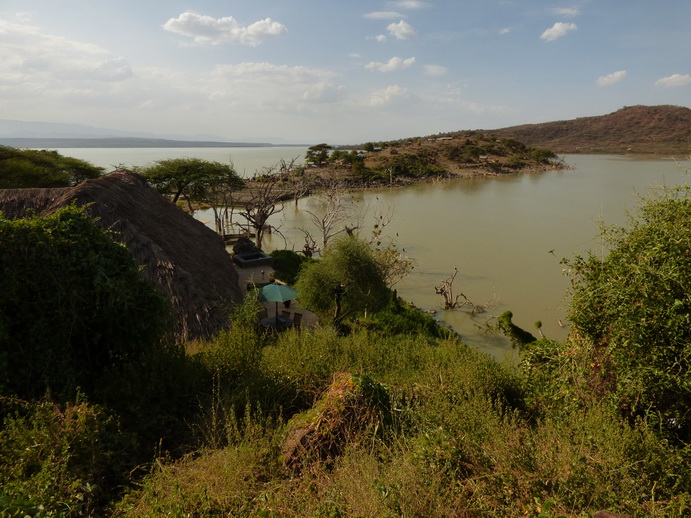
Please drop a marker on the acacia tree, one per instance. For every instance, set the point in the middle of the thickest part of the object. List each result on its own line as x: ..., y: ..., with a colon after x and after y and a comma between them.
x: 220, y: 195
x: 191, y: 178
x: 318, y: 153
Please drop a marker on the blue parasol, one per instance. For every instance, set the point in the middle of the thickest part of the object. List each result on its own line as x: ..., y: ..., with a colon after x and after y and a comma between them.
x: 277, y: 292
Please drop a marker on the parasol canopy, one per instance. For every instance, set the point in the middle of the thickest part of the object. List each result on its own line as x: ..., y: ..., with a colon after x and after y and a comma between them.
x: 277, y: 292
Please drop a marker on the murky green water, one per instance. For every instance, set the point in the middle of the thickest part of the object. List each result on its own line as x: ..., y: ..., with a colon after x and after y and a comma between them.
x: 506, y: 235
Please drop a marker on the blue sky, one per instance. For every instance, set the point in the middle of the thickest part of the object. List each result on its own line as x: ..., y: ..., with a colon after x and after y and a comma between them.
x: 307, y: 71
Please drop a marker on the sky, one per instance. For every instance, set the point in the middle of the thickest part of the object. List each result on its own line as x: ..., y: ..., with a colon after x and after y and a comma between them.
x: 335, y: 71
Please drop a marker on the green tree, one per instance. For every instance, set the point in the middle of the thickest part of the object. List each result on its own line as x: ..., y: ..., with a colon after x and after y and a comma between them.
x: 26, y: 168
x: 318, y: 153
x: 347, y: 281
x: 192, y: 178
x: 631, y: 313
x: 72, y: 304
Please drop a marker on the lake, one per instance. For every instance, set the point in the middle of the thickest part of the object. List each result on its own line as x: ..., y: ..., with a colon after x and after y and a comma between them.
x: 506, y: 235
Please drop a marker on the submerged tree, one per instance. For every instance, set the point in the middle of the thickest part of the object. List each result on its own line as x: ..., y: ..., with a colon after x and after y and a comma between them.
x: 265, y: 197
x: 335, y: 209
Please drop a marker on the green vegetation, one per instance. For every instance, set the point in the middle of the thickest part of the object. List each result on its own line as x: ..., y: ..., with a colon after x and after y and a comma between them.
x: 408, y: 160
x: 318, y: 154
x: 25, y: 168
x: 631, y: 312
x: 386, y: 414
x: 287, y: 265
x: 72, y: 305
x: 346, y: 282
x: 193, y: 178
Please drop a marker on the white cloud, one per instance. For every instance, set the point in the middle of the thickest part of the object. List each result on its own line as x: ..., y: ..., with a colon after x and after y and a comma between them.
x: 24, y: 16
x: 558, y: 30
x: 401, y: 30
x: 435, y: 70
x: 381, y: 38
x: 392, y: 65
x: 505, y: 30
x: 384, y: 15
x: 265, y: 85
x: 409, y: 4
x: 324, y: 92
x: 675, y: 80
x: 205, y: 30
x: 387, y: 95
x: 44, y: 62
x: 612, y: 78
x: 565, y: 11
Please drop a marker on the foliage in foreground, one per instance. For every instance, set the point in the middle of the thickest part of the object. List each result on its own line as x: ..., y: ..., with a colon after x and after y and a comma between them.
x: 426, y: 425
x: 458, y: 440
x: 72, y: 305
x: 26, y: 168
x: 631, y: 315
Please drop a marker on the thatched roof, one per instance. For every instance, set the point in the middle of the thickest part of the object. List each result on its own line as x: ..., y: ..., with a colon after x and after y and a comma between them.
x: 181, y: 257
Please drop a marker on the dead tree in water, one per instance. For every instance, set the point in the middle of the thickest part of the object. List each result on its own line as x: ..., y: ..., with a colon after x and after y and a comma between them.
x: 445, y: 289
x: 266, y: 195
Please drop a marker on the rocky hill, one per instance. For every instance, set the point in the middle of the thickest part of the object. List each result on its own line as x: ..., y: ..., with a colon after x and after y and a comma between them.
x: 658, y: 130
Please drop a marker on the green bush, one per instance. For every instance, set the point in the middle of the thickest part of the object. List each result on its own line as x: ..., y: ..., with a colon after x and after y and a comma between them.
x: 72, y: 305
x: 24, y: 168
x: 59, y: 460
x: 399, y: 318
x: 287, y: 265
x: 631, y: 310
x: 347, y: 281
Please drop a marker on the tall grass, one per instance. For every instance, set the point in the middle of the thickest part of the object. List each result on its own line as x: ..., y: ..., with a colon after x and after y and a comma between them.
x: 464, y: 440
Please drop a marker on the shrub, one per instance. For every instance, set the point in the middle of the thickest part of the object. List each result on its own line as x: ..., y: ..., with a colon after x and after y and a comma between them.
x: 347, y: 281
x: 632, y: 312
x: 287, y: 265
x: 59, y: 460
x: 72, y: 304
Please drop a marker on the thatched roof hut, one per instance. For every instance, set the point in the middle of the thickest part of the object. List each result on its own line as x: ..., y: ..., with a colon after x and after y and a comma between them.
x: 180, y: 256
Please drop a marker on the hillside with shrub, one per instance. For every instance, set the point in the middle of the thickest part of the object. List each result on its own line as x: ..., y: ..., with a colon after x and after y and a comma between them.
x: 377, y: 411
x: 434, y: 156
x: 657, y: 130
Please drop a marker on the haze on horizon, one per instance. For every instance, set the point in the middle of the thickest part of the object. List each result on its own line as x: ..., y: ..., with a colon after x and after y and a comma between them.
x: 337, y: 72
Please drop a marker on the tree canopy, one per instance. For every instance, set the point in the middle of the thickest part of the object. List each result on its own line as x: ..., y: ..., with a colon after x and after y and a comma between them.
x: 192, y: 178
x: 348, y: 280
x: 318, y: 153
x: 27, y: 168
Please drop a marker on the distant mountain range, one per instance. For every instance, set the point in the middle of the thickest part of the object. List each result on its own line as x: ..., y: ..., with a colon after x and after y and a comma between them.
x: 118, y: 142
x: 658, y: 130
x: 60, y: 135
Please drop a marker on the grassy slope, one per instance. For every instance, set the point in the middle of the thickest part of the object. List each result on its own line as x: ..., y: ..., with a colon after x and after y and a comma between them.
x: 460, y: 436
